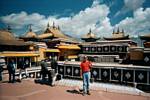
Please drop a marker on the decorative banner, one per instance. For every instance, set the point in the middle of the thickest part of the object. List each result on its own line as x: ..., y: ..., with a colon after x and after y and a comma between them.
x: 95, y: 73
x: 86, y: 49
x: 76, y: 71
x: 105, y: 49
x: 99, y: 49
x: 68, y: 71
x: 146, y: 59
x: 61, y: 70
x: 113, y: 49
x: 128, y: 75
x: 120, y: 49
x: 141, y: 76
x: 116, y: 74
x: 105, y: 74
x: 93, y: 49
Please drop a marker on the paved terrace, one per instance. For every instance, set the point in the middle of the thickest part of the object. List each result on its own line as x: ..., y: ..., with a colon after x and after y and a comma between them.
x: 67, y: 89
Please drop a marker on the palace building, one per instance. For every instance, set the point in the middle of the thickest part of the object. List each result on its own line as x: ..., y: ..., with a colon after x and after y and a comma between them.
x: 10, y: 47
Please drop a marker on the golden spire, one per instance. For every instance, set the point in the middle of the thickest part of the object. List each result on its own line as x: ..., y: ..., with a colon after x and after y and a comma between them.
x: 48, y: 25
x: 122, y: 30
x: 30, y: 29
x: 8, y: 27
x: 113, y: 31
x: 118, y: 30
x: 90, y: 31
x: 53, y: 24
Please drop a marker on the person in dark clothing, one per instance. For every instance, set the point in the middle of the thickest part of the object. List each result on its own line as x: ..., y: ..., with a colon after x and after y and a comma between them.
x: 2, y: 63
x: 1, y: 70
x: 45, y: 71
x: 54, y: 66
x: 22, y: 65
x: 11, y: 70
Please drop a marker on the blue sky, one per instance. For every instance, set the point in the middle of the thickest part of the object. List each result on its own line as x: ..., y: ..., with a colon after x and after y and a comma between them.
x: 76, y: 17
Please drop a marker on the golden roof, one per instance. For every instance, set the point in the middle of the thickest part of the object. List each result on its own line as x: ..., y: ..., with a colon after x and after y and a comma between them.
x: 52, y: 50
x: 6, y: 35
x: 118, y: 34
x: 45, y: 35
x: 19, y: 54
x: 71, y: 46
x: 30, y: 34
x: 89, y: 35
x: 56, y: 33
x: 7, y: 38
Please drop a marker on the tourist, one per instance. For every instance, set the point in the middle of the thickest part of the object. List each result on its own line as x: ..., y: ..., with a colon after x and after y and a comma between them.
x: 11, y: 70
x: 1, y: 70
x: 2, y: 63
x: 54, y: 66
x: 45, y: 71
x: 85, y: 73
x: 23, y: 68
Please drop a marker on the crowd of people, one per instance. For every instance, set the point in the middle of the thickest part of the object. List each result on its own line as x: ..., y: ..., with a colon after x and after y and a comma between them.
x: 85, y: 67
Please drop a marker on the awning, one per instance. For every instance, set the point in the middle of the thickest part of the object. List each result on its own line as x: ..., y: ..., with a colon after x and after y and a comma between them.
x: 72, y: 56
x: 19, y: 54
x: 75, y: 47
x: 52, y: 50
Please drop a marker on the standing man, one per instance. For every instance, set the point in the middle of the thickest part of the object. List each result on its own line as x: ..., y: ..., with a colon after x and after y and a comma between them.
x: 85, y: 73
x: 54, y: 66
x: 23, y: 67
x: 2, y: 63
x: 45, y: 71
x: 11, y: 70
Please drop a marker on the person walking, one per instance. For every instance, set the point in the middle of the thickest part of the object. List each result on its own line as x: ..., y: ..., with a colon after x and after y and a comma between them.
x: 11, y: 70
x: 85, y: 67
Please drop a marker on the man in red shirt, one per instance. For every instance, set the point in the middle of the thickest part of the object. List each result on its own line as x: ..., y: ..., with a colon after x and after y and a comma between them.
x: 85, y: 73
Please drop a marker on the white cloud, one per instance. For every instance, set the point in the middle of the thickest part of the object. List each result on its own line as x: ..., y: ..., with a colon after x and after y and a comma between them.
x: 139, y: 24
x: 94, y: 17
x: 130, y: 5
x: 77, y: 24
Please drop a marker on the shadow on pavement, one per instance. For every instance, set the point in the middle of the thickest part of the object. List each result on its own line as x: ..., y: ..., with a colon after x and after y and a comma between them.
x: 42, y: 82
x: 74, y: 91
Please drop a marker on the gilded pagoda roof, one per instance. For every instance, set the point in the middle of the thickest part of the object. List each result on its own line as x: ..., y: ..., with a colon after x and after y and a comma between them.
x: 55, y: 32
x: 89, y: 35
x: 30, y: 34
x: 43, y: 36
x: 117, y: 35
x: 6, y: 35
x: 7, y: 38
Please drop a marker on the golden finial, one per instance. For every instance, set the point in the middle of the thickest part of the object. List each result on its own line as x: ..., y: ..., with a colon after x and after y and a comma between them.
x: 30, y: 29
